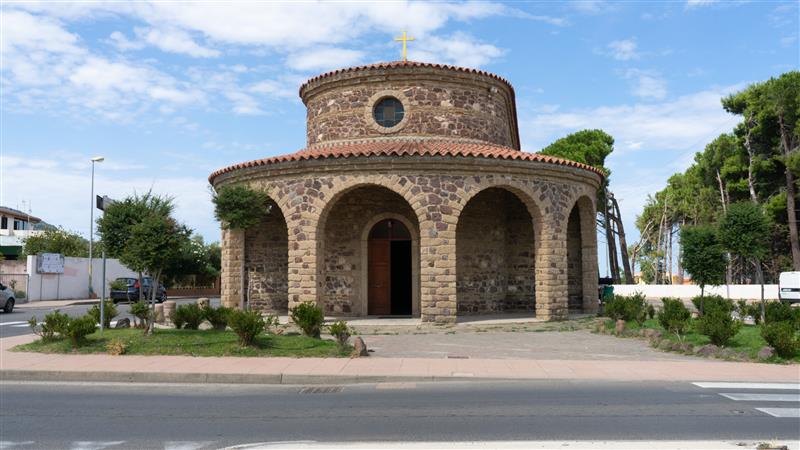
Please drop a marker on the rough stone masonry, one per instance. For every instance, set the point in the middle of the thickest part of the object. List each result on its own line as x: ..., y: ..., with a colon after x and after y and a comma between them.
x: 491, y: 228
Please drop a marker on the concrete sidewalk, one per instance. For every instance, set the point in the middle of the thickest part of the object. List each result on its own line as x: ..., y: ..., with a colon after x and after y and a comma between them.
x: 188, y: 369
x: 57, y: 303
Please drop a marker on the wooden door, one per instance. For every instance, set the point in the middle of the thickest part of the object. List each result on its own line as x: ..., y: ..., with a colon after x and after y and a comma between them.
x: 379, y: 277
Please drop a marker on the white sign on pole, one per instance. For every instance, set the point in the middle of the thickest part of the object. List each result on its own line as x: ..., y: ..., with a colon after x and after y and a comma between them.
x: 50, y: 263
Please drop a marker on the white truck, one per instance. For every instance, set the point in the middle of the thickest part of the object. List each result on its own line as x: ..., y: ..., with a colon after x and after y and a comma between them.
x: 789, y: 287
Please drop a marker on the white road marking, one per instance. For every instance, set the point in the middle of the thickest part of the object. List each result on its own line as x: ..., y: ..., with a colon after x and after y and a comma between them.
x: 793, y: 413
x: 24, y: 325
x: 186, y: 445
x: 741, y: 397
x: 509, y: 445
x: 94, y: 445
x: 14, y: 323
x: 785, y: 386
x: 11, y: 444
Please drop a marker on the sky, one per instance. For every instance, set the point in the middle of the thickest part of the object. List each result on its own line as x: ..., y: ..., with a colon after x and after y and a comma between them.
x: 168, y: 92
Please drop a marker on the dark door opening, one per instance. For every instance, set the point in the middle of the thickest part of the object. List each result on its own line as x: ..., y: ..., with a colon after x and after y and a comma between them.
x: 389, y: 269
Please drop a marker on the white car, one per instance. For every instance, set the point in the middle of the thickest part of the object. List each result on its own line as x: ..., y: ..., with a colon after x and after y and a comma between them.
x: 6, y: 298
x: 789, y: 287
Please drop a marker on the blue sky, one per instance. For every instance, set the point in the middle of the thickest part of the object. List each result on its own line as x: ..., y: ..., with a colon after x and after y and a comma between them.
x: 169, y: 91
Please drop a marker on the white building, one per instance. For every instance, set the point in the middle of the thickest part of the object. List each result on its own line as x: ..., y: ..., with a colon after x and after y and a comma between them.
x: 15, y: 226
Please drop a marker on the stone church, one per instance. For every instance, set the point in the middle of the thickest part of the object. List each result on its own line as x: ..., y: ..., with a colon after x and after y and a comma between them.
x: 413, y: 198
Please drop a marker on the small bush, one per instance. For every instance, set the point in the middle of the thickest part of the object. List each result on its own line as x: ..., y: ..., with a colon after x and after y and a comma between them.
x: 217, y: 317
x: 141, y: 311
x: 80, y: 327
x: 109, y: 312
x: 628, y: 308
x: 248, y: 325
x: 651, y: 311
x: 778, y: 311
x: 717, y: 322
x: 19, y: 294
x: 674, y: 317
x: 118, y: 285
x: 341, y: 332
x: 188, y: 317
x: 782, y: 337
x: 309, y: 318
x: 54, y: 326
x: 116, y: 347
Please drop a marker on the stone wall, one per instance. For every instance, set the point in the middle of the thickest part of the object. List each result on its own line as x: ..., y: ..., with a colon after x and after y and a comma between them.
x: 343, y: 264
x: 437, y: 190
x: 437, y: 103
x: 267, y: 263
x: 574, y: 261
x: 495, y: 255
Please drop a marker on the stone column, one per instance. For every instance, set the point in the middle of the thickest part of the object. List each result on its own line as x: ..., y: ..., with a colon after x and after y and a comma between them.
x: 438, y: 262
x: 551, y: 270
x: 303, y: 249
x: 589, y: 255
x: 232, y: 264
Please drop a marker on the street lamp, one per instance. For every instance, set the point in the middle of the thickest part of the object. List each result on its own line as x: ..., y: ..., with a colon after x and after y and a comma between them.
x: 96, y: 159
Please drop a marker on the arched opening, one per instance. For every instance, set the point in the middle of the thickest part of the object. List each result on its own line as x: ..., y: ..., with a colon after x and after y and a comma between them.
x: 574, y: 261
x: 495, y: 255
x: 389, y: 269
x: 357, y: 245
x: 267, y: 263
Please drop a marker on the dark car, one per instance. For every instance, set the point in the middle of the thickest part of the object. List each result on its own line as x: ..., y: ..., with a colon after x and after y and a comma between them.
x: 130, y: 293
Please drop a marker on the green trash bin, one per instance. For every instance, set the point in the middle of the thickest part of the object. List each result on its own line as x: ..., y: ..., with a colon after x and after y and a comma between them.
x: 608, y: 292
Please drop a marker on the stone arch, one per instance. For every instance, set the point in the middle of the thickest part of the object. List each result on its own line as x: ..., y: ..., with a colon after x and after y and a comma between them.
x: 582, y: 274
x: 266, y: 263
x: 341, y: 236
x: 497, y: 235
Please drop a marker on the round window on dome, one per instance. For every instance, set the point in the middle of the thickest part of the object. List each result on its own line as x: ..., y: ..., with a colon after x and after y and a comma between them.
x: 388, y: 112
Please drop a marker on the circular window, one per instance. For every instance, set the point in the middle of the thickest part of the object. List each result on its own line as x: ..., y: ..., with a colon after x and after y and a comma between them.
x: 388, y: 112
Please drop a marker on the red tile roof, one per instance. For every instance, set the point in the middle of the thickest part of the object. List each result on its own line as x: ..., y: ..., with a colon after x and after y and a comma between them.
x: 392, y: 64
x: 406, y: 148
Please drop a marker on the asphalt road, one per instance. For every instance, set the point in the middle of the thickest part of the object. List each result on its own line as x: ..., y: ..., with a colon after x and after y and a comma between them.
x: 117, y: 416
x: 15, y: 324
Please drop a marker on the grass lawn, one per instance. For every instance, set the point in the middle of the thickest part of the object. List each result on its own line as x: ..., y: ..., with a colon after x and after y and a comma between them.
x: 194, y: 343
x: 748, y: 340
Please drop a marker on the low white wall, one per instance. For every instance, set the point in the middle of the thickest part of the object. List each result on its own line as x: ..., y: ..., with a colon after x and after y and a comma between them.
x: 74, y: 282
x: 688, y: 291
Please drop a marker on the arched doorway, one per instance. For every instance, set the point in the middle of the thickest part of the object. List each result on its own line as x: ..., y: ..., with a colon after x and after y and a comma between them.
x: 389, y: 262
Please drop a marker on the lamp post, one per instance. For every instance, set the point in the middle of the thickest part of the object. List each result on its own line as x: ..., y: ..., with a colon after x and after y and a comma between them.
x: 96, y: 159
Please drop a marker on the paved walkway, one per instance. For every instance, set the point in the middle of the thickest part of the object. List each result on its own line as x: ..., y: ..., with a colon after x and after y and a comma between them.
x: 56, y: 303
x: 57, y: 367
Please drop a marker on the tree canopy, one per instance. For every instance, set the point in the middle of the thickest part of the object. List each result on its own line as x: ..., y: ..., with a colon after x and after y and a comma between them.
x: 56, y: 240
x: 240, y: 206
x: 703, y: 255
x: 590, y: 147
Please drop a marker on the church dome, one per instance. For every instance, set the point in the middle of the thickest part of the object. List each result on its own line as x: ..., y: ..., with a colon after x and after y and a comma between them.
x: 410, y: 100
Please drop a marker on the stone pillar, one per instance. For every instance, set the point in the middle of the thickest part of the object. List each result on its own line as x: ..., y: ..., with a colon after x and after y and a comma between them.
x: 551, y: 270
x: 303, y: 249
x: 589, y: 255
x: 233, y: 247
x: 438, y: 265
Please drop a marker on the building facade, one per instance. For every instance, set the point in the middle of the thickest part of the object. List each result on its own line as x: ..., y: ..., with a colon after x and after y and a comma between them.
x: 413, y: 198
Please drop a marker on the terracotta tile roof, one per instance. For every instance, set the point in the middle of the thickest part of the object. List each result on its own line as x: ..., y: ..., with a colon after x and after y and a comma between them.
x: 406, y: 148
x: 387, y: 65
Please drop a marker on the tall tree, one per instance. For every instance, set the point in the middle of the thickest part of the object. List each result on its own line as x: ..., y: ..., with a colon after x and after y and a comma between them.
x: 703, y: 255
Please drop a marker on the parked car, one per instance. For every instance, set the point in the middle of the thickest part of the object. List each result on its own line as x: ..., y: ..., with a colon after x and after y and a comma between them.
x: 789, y: 287
x: 6, y: 298
x: 130, y: 291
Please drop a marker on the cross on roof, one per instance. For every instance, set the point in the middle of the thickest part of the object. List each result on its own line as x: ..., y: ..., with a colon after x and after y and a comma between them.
x: 404, y: 40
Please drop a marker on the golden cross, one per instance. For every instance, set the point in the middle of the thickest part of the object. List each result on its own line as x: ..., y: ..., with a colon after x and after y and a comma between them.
x: 404, y: 39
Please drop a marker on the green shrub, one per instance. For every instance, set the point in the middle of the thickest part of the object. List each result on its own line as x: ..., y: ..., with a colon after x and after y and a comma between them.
x: 118, y: 285
x: 110, y: 311
x: 628, y: 308
x: 141, y: 311
x: 217, y: 317
x: 778, y: 311
x: 651, y: 311
x: 247, y: 325
x: 341, y: 332
x: 308, y: 316
x: 717, y: 322
x: 80, y: 327
x: 54, y: 326
x: 19, y: 294
x: 188, y: 317
x: 674, y: 317
x: 782, y: 337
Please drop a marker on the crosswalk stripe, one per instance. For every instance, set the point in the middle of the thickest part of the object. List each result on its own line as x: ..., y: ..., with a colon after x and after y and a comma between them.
x: 723, y: 385
x: 762, y: 397
x: 781, y: 412
x: 13, y: 323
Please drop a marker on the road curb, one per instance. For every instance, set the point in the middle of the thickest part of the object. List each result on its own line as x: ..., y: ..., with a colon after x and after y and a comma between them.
x: 223, y: 378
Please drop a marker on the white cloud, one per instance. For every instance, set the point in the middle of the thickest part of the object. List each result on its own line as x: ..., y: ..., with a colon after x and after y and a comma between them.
x: 121, y: 42
x: 623, y: 50
x: 647, y: 84
x: 324, y: 58
x: 459, y: 49
x: 699, y: 3
x: 175, y: 41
